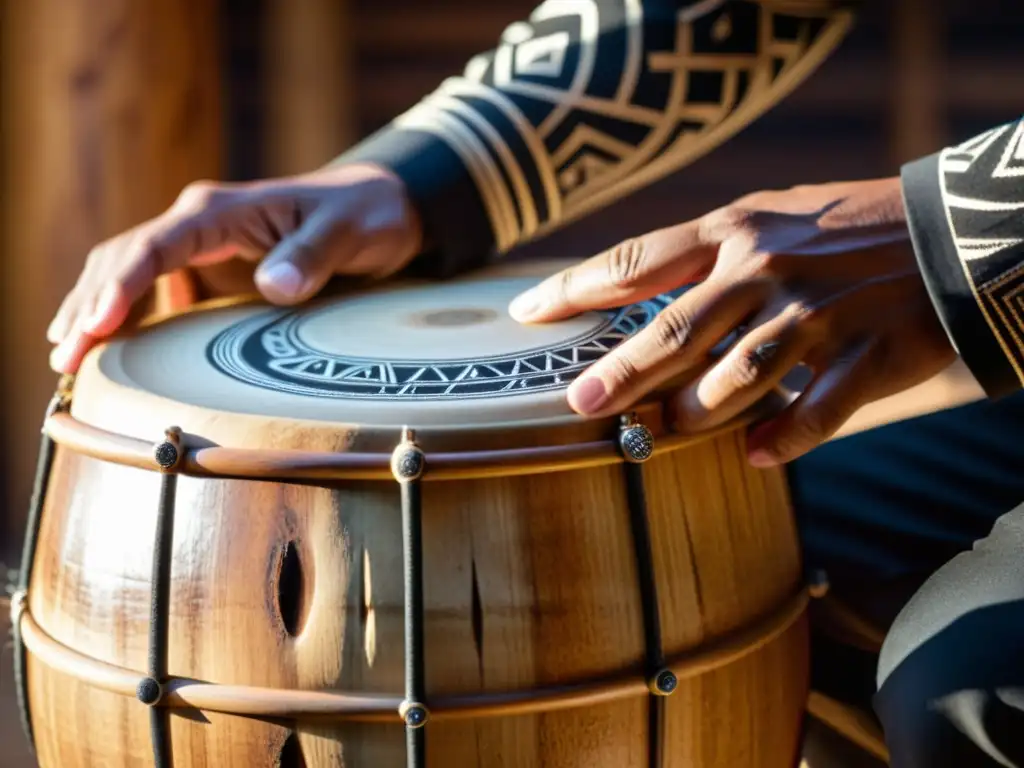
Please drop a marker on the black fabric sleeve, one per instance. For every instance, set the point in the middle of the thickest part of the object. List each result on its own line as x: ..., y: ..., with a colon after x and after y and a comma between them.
x: 965, y: 209
x: 586, y: 102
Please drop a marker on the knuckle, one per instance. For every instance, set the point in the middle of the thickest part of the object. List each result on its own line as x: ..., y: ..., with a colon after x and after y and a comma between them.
x: 767, y: 263
x: 621, y: 370
x: 303, y: 253
x: 199, y: 195
x: 562, y: 287
x: 626, y: 262
x: 384, y: 217
x: 672, y: 329
x: 747, y: 369
x: 150, y: 253
x: 733, y: 220
x: 806, y: 431
x: 96, y: 257
x: 802, y: 312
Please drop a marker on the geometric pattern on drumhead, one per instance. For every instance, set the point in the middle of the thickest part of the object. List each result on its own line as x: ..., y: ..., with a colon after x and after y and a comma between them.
x: 268, y: 352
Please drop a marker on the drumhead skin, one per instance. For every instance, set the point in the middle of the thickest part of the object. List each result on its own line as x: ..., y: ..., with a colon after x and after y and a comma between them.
x: 436, y: 357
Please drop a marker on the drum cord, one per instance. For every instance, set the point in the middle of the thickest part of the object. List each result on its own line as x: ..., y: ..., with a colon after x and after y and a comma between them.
x: 412, y: 545
x: 637, y: 445
x: 159, y: 617
x: 150, y: 690
x: 19, y: 601
x: 44, y: 465
x: 407, y: 466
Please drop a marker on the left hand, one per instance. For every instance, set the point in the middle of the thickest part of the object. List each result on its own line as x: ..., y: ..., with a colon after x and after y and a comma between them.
x: 819, y: 275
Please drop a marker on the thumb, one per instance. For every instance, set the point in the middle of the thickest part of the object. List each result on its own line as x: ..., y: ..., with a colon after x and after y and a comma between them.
x: 299, y: 266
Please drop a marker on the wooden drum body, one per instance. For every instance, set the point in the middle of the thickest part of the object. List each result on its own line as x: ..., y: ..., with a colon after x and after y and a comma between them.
x: 292, y: 575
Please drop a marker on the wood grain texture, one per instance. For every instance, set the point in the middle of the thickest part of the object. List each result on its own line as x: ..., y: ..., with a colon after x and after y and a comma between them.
x: 110, y: 109
x: 530, y: 581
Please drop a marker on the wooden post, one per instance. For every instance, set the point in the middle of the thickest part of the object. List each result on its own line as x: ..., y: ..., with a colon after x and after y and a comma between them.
x: 309, y: 105
x: 918, y: 121
x: 109, y: 109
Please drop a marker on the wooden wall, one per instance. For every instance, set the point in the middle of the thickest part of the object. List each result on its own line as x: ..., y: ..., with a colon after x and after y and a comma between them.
x: 109, y: 109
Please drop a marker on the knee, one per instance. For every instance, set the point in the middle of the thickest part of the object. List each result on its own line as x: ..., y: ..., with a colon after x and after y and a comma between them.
x: 951, y: 687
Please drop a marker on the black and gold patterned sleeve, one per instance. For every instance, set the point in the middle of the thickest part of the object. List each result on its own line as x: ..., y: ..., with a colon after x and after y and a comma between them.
x: 965, y: 207
x: 587, y: 101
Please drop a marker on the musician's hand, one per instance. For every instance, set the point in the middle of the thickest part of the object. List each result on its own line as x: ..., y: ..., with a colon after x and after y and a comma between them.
x: 823, y: 275
x: 301, y: 230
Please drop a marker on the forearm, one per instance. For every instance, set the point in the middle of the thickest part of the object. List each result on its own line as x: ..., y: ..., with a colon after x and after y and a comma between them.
x: 587, y: 102
x: 965, y: 206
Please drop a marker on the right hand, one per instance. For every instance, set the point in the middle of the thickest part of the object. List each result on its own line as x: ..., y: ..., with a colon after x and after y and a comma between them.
x: 302, y: 230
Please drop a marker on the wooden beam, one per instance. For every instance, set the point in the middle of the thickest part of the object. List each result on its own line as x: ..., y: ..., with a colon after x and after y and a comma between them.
x: 309, y: 105
x: 110, y: 108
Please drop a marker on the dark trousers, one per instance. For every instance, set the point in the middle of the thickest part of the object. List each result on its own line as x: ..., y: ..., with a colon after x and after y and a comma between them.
x: 920, y: 526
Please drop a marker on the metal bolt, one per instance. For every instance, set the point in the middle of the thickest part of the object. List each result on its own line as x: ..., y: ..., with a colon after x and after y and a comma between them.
x: 665, y: 683
x: 414, y: 714
x: 636, y: 441
x: 149, y: 691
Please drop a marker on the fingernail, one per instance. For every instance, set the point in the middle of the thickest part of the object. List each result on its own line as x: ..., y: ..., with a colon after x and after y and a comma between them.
x: 282, y: 278
x: 61, y: 354
x: 588, y: 395
x: 525, y: 305
x: 761, y: 459
x: 56, y: 332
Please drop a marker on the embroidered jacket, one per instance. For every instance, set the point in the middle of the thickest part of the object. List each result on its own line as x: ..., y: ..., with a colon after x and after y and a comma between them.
x: 589, y: 100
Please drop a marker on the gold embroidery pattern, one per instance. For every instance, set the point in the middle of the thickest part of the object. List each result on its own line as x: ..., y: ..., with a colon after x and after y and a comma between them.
x: 1005, y: 298
x: 981, y: 188
x: 547, y: 135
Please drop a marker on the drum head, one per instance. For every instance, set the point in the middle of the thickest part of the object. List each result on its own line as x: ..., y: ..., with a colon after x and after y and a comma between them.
x: 421, y: 354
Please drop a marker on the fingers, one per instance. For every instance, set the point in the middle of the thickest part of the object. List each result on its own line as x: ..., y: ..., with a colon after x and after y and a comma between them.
x: 818, y: 413
x: 301, y: 264
x: 67, y: 356
x: 633, y: 270
x: 679, y: 337
x: 754, y: 366
x: 208, y: 224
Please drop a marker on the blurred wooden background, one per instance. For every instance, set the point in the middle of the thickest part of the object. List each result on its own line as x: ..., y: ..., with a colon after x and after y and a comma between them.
x: 111, y: 106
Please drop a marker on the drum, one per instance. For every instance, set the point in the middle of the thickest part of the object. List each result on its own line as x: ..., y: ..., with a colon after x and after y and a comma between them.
x: 369, y: 532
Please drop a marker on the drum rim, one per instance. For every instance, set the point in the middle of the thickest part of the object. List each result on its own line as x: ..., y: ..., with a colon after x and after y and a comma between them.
x: 105, y: 405
x: 199, y: 458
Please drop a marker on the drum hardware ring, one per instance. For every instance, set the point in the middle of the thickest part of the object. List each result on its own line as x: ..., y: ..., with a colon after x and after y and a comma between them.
x: 664, y: 683
x: 149, y: 691
x: 408, y: 461
x: 635, y: 440
x: 168, y: 453
x: 254, y: 463
x: 414, y: 714
x: 355, y: 707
